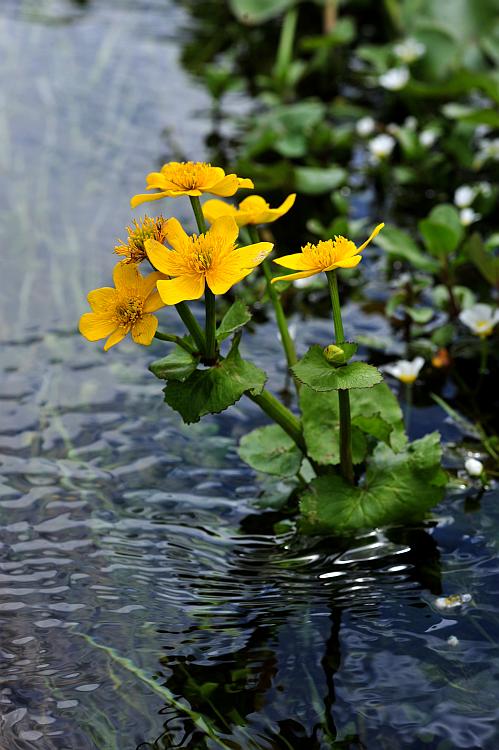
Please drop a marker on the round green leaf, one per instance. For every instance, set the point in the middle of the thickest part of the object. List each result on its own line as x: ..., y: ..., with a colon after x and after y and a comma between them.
x: 270, y: 450
x: 315, y: 371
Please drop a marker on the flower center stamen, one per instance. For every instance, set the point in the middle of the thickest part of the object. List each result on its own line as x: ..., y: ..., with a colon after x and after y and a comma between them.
x: 128, y: 311
x: 187, y: 175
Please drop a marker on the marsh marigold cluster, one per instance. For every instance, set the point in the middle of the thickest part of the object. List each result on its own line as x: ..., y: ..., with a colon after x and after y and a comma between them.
x: 187, y: 266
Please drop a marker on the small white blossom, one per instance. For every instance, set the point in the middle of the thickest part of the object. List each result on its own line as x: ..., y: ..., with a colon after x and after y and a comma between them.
x: 473, y: 467
x: 394, y: 79
x: 453, y: 641
x: 488, y: 150
x: 480, y: 319
x: 410, y: 122
x: 405, y: 370
x: 382, y: 146
x: 468, y: 216
x: 452, y: 602
x: 428, y: 137
x: 464, y: 196
x: 485, y: 188
x: 365, y: 126
x: 409, y: 50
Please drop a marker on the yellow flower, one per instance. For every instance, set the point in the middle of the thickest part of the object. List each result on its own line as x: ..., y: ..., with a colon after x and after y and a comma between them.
x: 212, y: 258
x: 252, y: 210
x: 190, y: 178
x: 126, y: 308
x: 326, y: 255
x: 133, y: 250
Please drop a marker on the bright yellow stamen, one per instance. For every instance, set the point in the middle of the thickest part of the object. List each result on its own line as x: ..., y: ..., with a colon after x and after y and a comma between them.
x: 327, y: 252
x: 407, y: 378
x: 187, y: 175
x: 133, y: 250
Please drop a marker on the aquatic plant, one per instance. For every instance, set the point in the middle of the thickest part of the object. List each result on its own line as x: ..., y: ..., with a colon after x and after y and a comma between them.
x: 348, y: 451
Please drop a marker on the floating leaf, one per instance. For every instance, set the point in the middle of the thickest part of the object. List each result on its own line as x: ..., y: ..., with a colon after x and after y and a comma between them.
x: 177, y: 365
x: 486, y: 262
x: 271, y: 450
x: 315, y: 371
x: 213, y: 390
x: 236, y: 316
x: 398, y: 488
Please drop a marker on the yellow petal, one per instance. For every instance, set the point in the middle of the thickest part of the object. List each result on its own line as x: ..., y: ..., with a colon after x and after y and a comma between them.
x: 222, y: 277
x: 214, y: 209
x: 213, y: 176
x: 153, y: 303
x: 144, y: 329
x: 158, y: 180
x: 116, y: 337
x: 297, y: 262
x: 228, y: 186
x: 149, y: 283
x: 294, y: 276
x: 100, y: 300
x: 126, y: 275
x: 224, y: 232
x: 252, y: 255
x: 244, y: 182
x: 95, y: 327
x: 137, y: 200
x: 174, y: 233
x: 373, y: 234
x: 182, y: 288
x: 166, y: 261
x: 346, y: 263
x: 285, y: 206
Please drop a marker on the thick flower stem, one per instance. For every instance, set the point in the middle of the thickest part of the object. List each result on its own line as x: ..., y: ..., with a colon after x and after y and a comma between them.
x: 282, y: 324
x: 209, y: 297
x: 174, y: 340
x: 343, y: 395
x: 192, y: 325
x: 280, y: 414
x: 484, y: 356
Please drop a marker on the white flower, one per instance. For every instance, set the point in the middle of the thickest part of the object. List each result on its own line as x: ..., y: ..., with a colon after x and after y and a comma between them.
x: 468, y: 216
x: 365, y: 126
x: 473, y: 467
x: 452, y: 602
x: 410, y: 122
x: 487, y: 150
x: 405, y: 370
x: 464, y: 196
x: 428, y: 137
x: 480, y: 319
x: 382, y: 146
x: 485, y: 188
x: 394, y: 79
x: 453, y: 641
x: 409, y: 50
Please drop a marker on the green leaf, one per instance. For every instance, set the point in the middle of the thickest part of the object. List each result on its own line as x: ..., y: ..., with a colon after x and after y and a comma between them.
x: 236, y: 316
x: 374, y: 411
x: 399, y: 244
x: 486, y: 262
x: 212, y: 390
x: 270, y: 450
x: 316, y: 180
x: 398, y: 488
x: 442, y: 231
x: 258, y: 11
x: 315, y: 371
x: 177, y: 365
x: 419, y: 315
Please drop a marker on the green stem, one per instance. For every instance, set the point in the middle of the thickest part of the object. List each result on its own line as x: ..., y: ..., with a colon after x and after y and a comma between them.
x: 343, y: 395
x: 209, y: 297
x: 174, y: 340
x: 192, y: 325
x: 484, y: 356
x: 408, y: 406
x: 280, y: 414
x: 282, y: 324
x: 286, y: 42
x: 198, y: 213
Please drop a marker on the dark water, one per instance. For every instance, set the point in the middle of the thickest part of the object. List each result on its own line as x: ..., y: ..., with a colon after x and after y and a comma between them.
x: 119, y: 523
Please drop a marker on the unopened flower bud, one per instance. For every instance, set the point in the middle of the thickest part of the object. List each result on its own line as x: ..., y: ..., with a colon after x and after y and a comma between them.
x: 473, y: 467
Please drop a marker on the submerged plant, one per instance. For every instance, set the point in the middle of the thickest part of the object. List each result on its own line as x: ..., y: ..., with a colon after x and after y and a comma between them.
x: 347, y: 449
